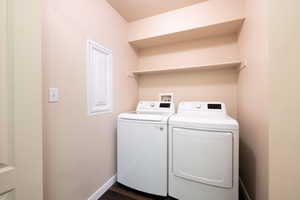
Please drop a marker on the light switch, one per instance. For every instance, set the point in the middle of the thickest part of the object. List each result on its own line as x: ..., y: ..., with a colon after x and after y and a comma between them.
x: 53, y: 95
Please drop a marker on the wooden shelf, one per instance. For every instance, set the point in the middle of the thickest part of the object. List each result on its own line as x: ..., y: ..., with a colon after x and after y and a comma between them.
x: 218, y: 29
x: 235, y: 64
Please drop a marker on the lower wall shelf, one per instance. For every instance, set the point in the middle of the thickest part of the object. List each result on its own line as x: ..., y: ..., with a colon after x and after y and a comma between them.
x: 235, y: 64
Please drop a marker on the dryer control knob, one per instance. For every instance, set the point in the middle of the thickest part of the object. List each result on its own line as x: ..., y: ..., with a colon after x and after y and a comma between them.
x: 198, y: 106
x: 152, y: 105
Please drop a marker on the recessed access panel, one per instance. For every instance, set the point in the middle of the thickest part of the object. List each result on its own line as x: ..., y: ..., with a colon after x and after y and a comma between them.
x: 203, y: 156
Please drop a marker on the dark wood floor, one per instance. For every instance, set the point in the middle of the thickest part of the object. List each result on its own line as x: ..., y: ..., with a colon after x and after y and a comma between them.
x: 120, y: 192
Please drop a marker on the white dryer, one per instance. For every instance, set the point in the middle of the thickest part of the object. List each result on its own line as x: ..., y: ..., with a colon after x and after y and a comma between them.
x: 142, y: 146
x: 203, y: 152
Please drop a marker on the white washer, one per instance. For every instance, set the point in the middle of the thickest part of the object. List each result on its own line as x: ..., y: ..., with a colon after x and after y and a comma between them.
x: 203, y: 152
x: 142, y: 146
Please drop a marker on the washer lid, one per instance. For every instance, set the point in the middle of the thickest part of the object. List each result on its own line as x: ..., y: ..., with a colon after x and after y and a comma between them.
x: 144, y: 117
x: 204, y: 121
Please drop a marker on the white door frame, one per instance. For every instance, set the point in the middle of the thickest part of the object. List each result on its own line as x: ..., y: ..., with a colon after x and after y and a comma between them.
x: 21, y: 99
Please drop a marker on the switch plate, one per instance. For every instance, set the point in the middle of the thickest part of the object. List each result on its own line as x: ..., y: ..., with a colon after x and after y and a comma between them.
x: 53, y: 95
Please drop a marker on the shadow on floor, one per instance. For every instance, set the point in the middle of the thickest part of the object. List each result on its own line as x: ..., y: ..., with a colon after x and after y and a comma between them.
x: 120, y: 192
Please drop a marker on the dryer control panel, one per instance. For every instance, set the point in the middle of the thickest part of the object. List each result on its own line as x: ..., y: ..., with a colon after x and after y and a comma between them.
x: 155, y: 107
x: 202, y: 107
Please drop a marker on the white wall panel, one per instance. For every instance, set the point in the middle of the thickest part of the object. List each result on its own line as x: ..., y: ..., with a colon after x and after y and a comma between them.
x: 99, y: 79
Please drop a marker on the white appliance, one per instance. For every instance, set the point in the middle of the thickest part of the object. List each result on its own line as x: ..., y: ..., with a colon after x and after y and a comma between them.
x: 142, y: 146
x: 203, y: 152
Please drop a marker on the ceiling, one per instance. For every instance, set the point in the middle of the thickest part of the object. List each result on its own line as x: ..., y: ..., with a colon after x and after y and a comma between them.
x: 133, y: 10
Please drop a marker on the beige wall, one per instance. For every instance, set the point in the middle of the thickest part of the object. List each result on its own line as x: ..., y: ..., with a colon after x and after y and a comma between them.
x: 199, y: 85
x: 285, y: 97
x: 202, y: 85
x: 194, y: 53
x: 252, y: 100
x: 80, y: 150
x: 198, y: 15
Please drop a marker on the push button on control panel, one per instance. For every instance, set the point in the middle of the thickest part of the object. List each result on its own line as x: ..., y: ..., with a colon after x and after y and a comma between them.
x: 155, y: 106
x: 198, y: 106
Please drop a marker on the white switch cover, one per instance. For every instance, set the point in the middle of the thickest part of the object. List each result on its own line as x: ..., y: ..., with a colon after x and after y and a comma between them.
x: 53, y: 96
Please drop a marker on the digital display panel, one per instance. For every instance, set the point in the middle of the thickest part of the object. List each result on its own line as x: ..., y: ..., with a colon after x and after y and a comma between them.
x: 214, y: 106
x: 164, y: 105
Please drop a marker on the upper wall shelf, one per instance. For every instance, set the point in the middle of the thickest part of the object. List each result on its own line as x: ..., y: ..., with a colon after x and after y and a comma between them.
x: 235, y: 64
x: 219, y: 29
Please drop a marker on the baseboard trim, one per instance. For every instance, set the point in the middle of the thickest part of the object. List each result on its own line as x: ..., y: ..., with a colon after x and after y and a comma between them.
x: 103, y: 188
x: 244, y: 190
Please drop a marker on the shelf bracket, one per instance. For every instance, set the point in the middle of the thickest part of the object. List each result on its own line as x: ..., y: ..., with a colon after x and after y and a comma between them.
x: 243, y: 65
x: 131, y: 75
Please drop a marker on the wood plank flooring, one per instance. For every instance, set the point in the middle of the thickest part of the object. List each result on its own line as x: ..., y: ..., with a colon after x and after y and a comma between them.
x: 120, y: 192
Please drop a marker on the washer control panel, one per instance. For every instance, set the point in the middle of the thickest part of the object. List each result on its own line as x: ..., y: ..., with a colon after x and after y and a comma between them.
x: 155, y: 107
x: 202, y: 107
